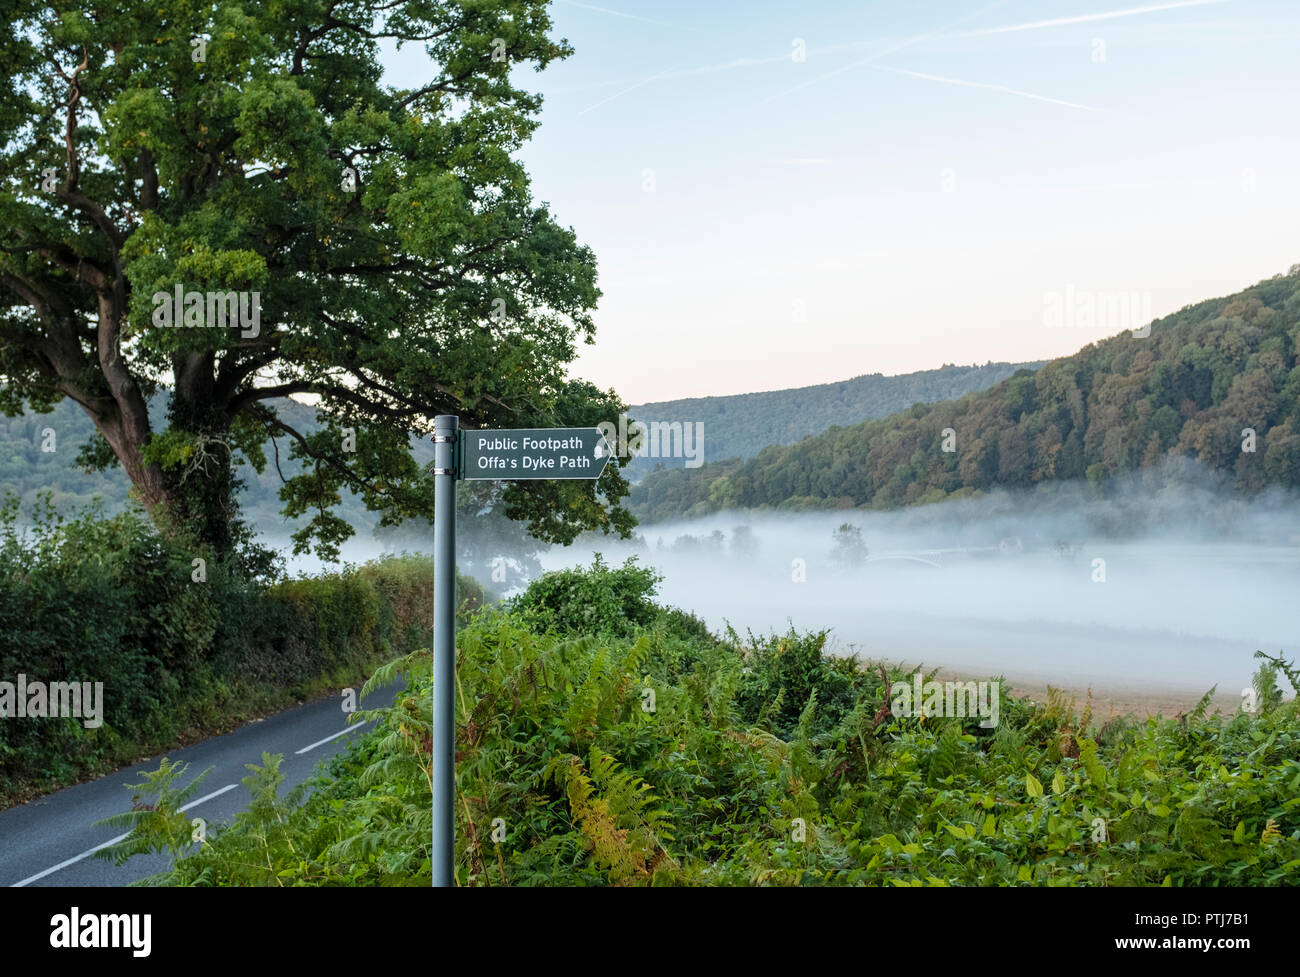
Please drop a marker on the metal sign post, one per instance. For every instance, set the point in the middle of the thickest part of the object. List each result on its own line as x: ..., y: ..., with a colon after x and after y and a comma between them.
x: 444, y: 649
x: 531, y: 453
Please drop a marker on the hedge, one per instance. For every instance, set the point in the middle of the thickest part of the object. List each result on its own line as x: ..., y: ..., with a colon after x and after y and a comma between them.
x: 111, y: 601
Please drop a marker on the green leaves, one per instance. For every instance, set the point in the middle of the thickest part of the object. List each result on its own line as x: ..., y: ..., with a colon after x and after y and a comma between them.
x: 597, y: 601
x: 376, y: 294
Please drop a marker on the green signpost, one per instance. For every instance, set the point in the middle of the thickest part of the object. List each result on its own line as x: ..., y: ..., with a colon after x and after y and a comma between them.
x: 528, y: 453
x: 579, y: 452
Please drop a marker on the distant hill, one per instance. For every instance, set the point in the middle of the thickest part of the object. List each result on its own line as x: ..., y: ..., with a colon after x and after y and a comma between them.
x: 734, y: 426
x: 742, y: 425
x: 38, y: 452
x: 1197, y: 386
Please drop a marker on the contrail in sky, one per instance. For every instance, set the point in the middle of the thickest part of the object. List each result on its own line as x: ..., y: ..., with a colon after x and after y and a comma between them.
x: 980, y: 84
x: 897, y: 46
x: 644, y: 81
x: 1086, y: 18
x: 619, y: 13
x: 680, y: 72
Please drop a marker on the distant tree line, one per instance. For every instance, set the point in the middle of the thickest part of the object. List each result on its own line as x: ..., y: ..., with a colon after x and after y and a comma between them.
x: 742, y: 425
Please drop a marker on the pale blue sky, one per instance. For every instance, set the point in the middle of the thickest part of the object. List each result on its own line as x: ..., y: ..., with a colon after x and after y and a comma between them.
x: 869, y: 209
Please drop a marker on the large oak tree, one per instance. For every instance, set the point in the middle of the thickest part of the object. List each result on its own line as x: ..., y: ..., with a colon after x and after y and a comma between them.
x: 403, y: 268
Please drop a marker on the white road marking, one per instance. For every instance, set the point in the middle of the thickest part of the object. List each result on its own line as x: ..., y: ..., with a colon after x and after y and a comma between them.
x: 208, y: 797
x: 328, y: 738
x: 112, y: 841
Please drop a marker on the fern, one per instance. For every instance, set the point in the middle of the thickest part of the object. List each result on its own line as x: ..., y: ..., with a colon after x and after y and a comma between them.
x: 156, y: 820
x: 1286, y: 667
x: 1202, y: 705
x: 613, y: 810
x: 1092, y: 765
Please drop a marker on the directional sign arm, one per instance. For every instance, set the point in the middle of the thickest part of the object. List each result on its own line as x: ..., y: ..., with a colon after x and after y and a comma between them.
x: 534, y: 453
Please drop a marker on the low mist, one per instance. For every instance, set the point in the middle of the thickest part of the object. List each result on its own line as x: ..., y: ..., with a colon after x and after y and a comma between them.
x: 1157, y: 588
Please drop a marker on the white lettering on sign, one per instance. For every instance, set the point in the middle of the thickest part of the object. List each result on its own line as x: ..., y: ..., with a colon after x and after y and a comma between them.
x: 529, y: 444
x: 557, y: 453
x: 530, y: 463
x: 552, y: 444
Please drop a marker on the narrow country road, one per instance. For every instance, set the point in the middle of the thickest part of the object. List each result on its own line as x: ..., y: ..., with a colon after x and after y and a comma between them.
x: 50, y: 841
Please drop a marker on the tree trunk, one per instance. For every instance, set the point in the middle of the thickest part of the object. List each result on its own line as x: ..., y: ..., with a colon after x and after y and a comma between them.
x: 201, y: 493
x: 195, y: 497
x: 123, y: 420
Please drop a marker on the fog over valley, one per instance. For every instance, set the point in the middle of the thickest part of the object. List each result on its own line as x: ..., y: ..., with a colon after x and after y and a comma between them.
x: 1189, y: 585
x: 1153, y: 587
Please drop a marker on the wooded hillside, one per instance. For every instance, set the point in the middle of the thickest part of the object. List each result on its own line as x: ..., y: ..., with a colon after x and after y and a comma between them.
x: 1198, y: 385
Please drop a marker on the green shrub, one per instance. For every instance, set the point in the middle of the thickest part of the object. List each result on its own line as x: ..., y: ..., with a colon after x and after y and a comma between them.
x: 601, y: 601
x: 782, y: 673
